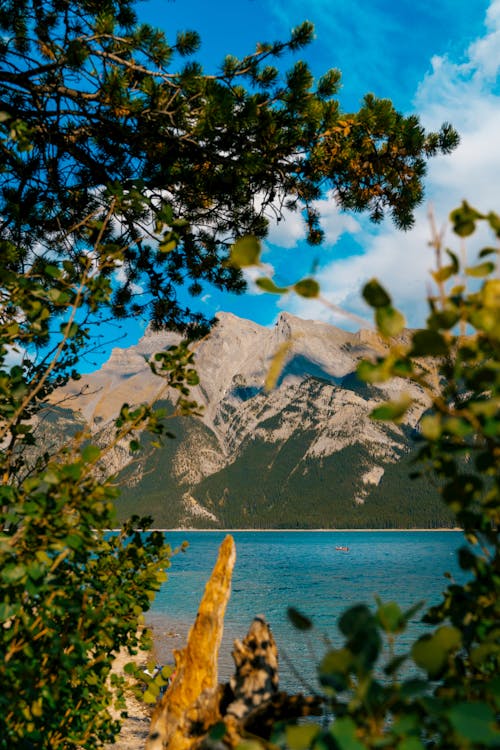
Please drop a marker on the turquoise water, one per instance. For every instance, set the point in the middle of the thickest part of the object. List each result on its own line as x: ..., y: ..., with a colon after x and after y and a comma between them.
x: 303, y: 569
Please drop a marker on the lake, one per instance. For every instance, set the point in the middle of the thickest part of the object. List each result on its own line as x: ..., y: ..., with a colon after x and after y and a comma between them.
x: 277, y: 569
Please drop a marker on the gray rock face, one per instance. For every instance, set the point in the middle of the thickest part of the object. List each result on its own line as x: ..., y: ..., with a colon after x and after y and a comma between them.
x: 307, y: 453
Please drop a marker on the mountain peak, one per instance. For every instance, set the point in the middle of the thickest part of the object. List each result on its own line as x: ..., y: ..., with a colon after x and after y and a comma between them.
x: 283, y: 325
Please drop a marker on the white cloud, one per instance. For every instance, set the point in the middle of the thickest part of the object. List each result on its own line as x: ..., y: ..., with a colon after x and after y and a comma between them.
x: 464, y: 94
x: 121, y: 278
x: 288, y: 232
x: 333, y: 222
x: 14, y: 355
x: 485, y: 52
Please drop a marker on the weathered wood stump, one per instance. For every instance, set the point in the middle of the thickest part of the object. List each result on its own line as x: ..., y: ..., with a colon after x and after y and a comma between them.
x: 250, y: 704
x: 256, y: 703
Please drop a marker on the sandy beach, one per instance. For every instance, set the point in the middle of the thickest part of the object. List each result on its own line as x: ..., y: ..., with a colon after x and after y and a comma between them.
x: 135, y: 727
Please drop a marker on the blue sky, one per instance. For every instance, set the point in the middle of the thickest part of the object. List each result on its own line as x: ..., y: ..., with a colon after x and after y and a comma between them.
x: 439, y: 58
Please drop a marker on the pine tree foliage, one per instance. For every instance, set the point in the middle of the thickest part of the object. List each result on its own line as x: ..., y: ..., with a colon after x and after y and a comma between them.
x: 104, y: 117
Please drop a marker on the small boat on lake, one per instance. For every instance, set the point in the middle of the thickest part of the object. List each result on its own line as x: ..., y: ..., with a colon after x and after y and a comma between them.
x: 342, y: 548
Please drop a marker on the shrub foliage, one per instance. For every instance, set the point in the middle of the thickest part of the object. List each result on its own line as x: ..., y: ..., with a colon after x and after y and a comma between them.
x: 445, y: 691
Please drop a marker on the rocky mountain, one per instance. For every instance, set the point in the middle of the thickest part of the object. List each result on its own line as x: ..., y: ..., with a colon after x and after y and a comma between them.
x: 305, y: 455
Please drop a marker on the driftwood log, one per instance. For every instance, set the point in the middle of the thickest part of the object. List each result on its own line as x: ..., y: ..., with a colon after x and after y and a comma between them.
x: 190, y: 706
x: 249, y: 704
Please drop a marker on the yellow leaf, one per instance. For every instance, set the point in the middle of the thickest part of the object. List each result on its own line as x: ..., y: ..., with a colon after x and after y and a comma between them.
x: 276, y: 366
x: 491, y: 293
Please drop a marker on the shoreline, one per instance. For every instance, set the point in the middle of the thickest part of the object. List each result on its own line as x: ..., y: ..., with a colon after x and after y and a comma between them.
x: 298, y: 531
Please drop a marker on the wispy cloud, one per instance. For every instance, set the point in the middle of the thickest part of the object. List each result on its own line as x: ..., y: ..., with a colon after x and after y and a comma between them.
x: 464, y: 91
x: 381, y: 46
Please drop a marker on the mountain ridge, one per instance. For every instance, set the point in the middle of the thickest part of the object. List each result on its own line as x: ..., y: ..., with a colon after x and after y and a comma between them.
x: 305, y: 454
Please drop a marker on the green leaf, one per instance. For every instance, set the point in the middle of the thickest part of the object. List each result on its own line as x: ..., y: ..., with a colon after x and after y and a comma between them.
x: 53, y: 271
x: 392, y: 410
x: 494, y: 222
x: 344, y: 732
x: 74, y: 541
x: 428, y: 343
x: 372, y: 372
x: 13, y: 573
x: 165, y: 214
x: 410, y: 743
x: 300, y: 737
x: 298, y: 620
x: 430, y: 426
x: 390, y: 322
x: 486, y: 320
x: 464, y: 219
x: 390, y: 617
x: 428, y: 655
x: 360, y: 627
x: 483, y: 269
x: 491, y: 294
x: 179, y: 223
x: 308, y: 288
x: 444, y: 319
x: 455, y: 263
x: 442, y: 274
x: 407, y: 723
x: 168, y: 246
x: 448, y: 637
x: 460, y: 427
x: 336, y: 661
x: 250, y: 745
x: 475, y: 722
x: 356, y: 619
x: 431, y: 652
x: 6, y: 611
x: 69, y: 330
x: 488, y: 251
x: 375, y: 294
x: 268, y: 285
x: 167, y: 670
x: 464, y: 228
x: 245, y: 252
x: 413, y: 688
x: 91, y: 453
x: 72, y: 471
x: 51, y: 476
